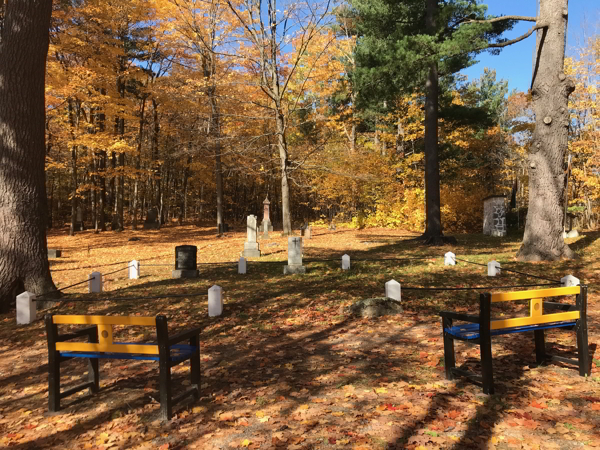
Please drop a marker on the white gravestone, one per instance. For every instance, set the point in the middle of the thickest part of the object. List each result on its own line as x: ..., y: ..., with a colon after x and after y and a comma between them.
x: 242, y: 265
x: 449, y: 259
x: 570, y: 280
x: 134, y: 270
x: 294, y: 264
x: 26, y: 308
x: 95, y: 282
x: 392, y: 290
x: 215, y: 301
x: 251, y: 248
x: 493, y: 268
x: 346, y: 262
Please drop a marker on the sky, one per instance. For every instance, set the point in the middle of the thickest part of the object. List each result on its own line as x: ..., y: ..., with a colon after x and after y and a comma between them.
x: 514, y: 63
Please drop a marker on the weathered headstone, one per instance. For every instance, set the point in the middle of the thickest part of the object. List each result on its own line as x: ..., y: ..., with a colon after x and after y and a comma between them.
x: 392, y: 290
x: 494, y: 216
x: 251, y: 248
x: 94, y: 282
x: 307, y: 232
x: 493, y: 268
x: 449, y: 259
x: 186, y: 265
x: 26, y: 308
x: 242, y: 265
x: 294, y: 264
x: 570, y: 280
x: 134, y: 270
x: 215, y: 301
x: 151, y: 222
x: 332, y: 227
x: 79, y: 224
x: 266, y: 224
x: 346, y: 262
x: 573, y: 234
x: 53, y: 253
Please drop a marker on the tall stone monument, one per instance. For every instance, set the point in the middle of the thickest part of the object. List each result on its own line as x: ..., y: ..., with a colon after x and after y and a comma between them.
x: 266, y: 224
x: 294, y: 264
x: 251, y: 248
x: 494, y: 216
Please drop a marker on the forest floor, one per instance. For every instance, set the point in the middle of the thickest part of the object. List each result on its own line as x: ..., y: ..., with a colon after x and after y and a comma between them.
x: 285, y: 367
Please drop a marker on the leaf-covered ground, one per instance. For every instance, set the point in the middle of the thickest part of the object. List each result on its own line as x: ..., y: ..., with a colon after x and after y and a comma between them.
x: 285, y: 367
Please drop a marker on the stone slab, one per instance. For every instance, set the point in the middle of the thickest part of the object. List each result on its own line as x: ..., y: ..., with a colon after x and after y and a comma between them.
x: 293, y: 269
x: 54, y: 253
x: 183, y: 273
x: 251, y: 253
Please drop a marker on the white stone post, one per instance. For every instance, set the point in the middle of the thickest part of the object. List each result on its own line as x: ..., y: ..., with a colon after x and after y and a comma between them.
x: 346, y: 262
x: 569, y: 280
x: 493, y: 268
x: 94, y: 282
x: 449, y: 259
x: 215, y: 301
x: 392, y: 290
x: 26, y: 308
x: 134, y: 270
x: 242, y: 265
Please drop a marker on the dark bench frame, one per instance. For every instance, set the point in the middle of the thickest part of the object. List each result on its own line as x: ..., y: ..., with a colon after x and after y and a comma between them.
x: 485, y: 333
x: 170, y: 354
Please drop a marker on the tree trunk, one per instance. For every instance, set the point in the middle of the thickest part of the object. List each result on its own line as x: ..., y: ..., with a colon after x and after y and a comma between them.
x: 433, y: 221
x: 550, y: 92
x: 283, y: 156
x: 23, y: 204
x: 138, y: 164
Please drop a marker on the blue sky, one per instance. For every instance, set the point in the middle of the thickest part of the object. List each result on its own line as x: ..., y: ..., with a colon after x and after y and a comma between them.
x: 514, y: 63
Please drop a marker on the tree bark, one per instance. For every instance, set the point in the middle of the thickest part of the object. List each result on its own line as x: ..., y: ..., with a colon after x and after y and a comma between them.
x: 550, y: 92
x: 138, y: 163
x: 283, y: 156
x: 23, y: 204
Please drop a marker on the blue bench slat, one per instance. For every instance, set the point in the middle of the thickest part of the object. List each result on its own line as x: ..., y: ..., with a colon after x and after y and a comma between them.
x: 178, y: 352
x: 471, y: 330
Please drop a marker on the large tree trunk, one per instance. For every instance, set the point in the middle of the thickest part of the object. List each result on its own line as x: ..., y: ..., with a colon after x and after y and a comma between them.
x: 433, y: 220
x: 283, y: 156
x: 550, y: 91
x: 138, y: 163
x: 23, y: 203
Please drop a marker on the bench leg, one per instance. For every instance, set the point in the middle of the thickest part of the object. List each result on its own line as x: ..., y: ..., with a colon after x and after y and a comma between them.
x: 195, y: 366
x: 583, y: 351
x: 540, y: 346
x: 54, y: 381
x: 166, y: 406
x: 449, y: 357
x: 487, y: 370
x: 93, y: 372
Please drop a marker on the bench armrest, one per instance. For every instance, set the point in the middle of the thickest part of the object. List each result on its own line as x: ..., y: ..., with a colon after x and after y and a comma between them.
x: 458, y: 316
x: 79, y: 333
x: 184, y: 335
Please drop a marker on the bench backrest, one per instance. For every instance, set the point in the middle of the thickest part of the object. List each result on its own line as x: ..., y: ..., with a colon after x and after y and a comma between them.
x: 536, y: 307
x: 105, y: 334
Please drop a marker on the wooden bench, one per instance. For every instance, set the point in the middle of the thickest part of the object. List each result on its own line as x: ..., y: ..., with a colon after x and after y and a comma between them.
x: 168, y: 352
x: 480, y: 328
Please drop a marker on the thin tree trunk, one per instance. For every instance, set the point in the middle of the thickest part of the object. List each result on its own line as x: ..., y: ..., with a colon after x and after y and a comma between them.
x: 23, y: 203
x: 283, y: 156
x: 138, y: 163
x: 551, y: 88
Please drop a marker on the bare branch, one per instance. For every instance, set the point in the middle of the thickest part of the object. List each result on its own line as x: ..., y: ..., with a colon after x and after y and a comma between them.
x: 520, y: 38
x: 499, y: 19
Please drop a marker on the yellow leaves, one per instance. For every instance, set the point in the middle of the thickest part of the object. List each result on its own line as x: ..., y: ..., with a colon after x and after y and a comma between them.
x: 381, y: 390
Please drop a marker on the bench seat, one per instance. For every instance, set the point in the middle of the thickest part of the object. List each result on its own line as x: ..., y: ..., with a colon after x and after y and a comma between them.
x: 177, y: 353
x: 470, y: 331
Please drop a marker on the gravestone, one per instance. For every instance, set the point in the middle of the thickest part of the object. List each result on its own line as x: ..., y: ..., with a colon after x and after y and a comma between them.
x: 573, y: 234
x: 266, y: 224
x: 332, y: 227
x: 392, y: 290
x: 493, y: 268
x: 346, y: 262
x: 79, y: 224
x: 449, y: 259
x: 215, y: 301
x: 242, y: 265
x: 570, y: 280
x: 94, y: 282
x: 186, y: 265
x: 26, y: 308
x: 494, y: 216
x: 307, y: 232
x: 251, y: 248
x: 134, y: 270
x: 53, y: 253
x: 294, y: 264
x: 151, y: 223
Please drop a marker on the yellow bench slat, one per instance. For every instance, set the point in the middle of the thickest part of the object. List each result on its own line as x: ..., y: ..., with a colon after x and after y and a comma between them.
x: 536, y: 320
x: 537, y: 293
x: 104, y: 320
x: 113, y: 348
